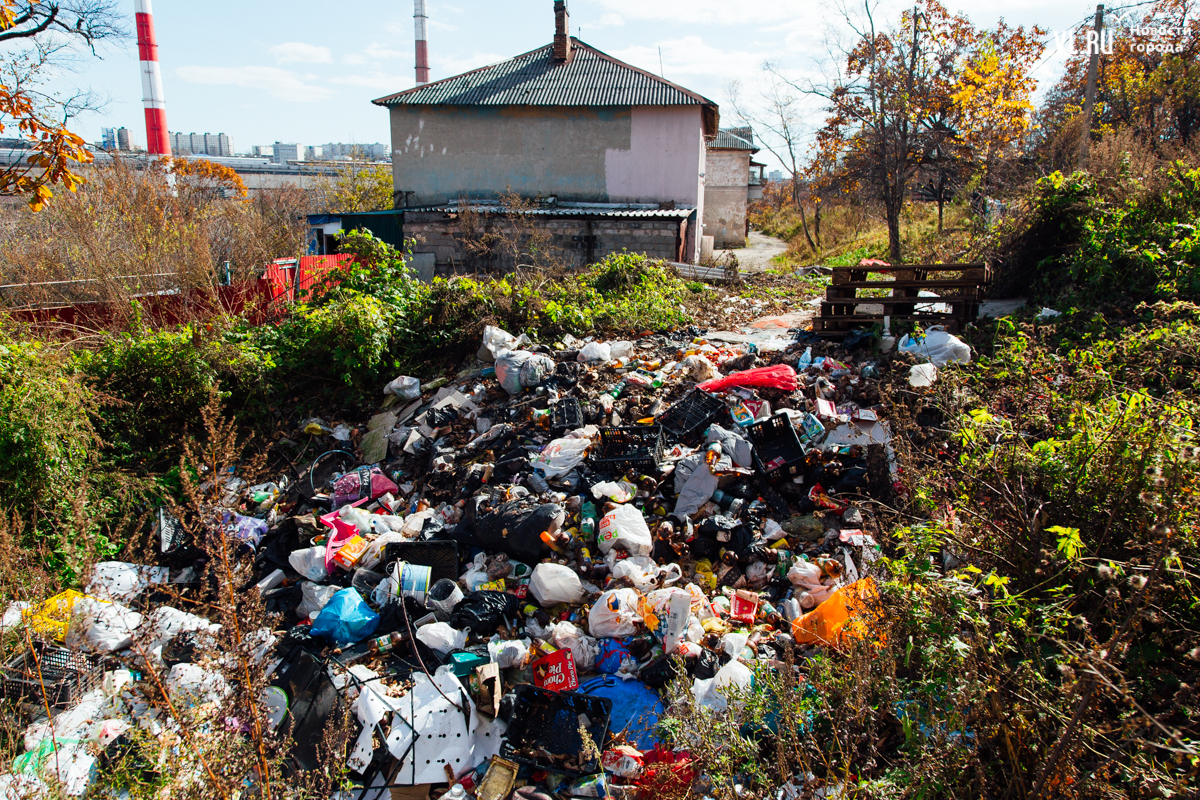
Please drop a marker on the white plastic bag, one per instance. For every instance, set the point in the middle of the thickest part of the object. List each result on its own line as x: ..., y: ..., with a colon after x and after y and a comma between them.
x: 561, y: 456
x: 508, y: 652
x: 614, y: 614
x: 119, y: 580
x: 165, y: 622
x: 641, y: 571
x: 313, y: 598
x: 441, y: 638
x: 595, y: 352
x: 584, y: 648
x: 940, y: 347
x: 699, y: 368
x: 620, y: 350
x: 404, y: 387
x: 196, y: 684
x: 551, y: 584
x: 497, y: 341
x: 310, y: 562
x: 101, y: 627
x: 922, y: 375
x: 626, y: 526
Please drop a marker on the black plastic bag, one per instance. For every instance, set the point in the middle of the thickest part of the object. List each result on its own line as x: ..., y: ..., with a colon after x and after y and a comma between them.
x: 660, y: 672
x: 516, y: 528
x: 482, y: 613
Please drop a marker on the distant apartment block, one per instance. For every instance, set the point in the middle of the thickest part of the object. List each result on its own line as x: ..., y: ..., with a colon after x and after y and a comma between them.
x: 203, y: 144
x: 340, y: 151
x: 283, y: 152
x: 116, y: 139
x: 775, y: 176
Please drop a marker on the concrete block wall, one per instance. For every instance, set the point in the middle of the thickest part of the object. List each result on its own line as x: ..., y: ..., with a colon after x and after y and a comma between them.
x: 577, y: 242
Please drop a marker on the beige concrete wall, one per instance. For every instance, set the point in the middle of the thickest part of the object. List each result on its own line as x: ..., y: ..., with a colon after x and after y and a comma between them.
x: 726, y: 179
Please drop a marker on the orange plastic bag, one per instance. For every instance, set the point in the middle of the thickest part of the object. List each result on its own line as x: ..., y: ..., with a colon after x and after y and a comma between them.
x: 842, y: 617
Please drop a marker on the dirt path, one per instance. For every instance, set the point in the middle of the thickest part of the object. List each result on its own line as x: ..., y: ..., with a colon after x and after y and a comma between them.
x: 757, y: 254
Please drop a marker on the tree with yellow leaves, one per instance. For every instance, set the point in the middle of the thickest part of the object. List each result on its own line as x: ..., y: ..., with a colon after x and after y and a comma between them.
x: 37, y: 33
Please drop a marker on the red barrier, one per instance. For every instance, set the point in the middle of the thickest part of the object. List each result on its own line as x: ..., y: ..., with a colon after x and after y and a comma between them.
x: 260, y: 301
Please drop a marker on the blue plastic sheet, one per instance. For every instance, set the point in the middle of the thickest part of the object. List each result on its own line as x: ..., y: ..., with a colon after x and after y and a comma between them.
x: 345, y: 619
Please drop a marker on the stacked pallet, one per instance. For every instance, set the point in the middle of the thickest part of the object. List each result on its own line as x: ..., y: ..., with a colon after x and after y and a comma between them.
x: 915, y: 289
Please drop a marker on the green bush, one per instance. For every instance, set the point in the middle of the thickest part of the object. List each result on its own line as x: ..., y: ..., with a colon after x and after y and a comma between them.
x: 1130, y: 243
x: 47, y: 440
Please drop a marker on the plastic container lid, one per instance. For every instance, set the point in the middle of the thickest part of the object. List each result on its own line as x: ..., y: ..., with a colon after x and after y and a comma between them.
x: 276, y: 702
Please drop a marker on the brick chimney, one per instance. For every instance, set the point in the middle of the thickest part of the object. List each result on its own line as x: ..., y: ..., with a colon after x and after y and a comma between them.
x: 562, y: 33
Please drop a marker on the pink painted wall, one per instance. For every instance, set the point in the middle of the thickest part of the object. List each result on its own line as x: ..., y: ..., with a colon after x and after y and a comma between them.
x: 664, y: 162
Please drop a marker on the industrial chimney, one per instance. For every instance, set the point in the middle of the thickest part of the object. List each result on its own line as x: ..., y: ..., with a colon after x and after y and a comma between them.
x: 157, y: 142
x: 421, y: 20
x: 562, y: 33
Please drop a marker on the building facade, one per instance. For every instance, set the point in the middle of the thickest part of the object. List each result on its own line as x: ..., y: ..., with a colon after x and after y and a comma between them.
x: 201, y: 144
x: 728, y: 185
x: 563, y: 124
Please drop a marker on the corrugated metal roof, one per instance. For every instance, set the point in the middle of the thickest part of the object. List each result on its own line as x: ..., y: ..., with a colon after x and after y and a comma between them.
x: 574, y: 210
x: 734, y: 139
x: 591, y: 78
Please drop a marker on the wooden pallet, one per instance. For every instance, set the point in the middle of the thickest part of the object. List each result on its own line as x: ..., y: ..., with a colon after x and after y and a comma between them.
x: 957, y: 285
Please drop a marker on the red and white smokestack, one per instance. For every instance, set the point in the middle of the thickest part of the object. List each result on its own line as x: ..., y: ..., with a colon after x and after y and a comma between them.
x: 157, y: 141
x: 422, y: 24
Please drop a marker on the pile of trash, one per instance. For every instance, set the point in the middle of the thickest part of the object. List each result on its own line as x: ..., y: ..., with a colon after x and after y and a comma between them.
x: 500, y: 573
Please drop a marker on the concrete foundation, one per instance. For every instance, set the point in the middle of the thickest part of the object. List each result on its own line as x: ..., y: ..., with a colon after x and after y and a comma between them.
x: 576, y: 242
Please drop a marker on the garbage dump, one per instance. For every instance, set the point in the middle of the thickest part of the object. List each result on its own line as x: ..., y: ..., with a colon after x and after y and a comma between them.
x: 499, y: 574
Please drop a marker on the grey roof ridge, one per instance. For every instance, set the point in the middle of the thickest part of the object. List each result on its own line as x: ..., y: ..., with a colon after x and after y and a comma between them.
x: 701, y: 99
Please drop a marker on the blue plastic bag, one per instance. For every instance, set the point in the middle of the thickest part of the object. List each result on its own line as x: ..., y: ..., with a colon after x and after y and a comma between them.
x: 345, y: 619
x: 635, y: 708
x: 612, y: 653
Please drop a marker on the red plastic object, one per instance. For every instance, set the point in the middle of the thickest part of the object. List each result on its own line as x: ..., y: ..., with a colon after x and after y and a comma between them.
x: 666, y: 774
x: 556, y: 672
x: 780, y: 376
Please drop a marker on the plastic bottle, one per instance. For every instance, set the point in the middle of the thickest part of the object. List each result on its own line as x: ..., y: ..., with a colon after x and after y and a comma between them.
x: 588, y: 522
x: 616, y: 391
x: 538, y: 483
x: 457, y: 792
x: 805, y: 360
x: 384, y: 644
x: 712, y: 453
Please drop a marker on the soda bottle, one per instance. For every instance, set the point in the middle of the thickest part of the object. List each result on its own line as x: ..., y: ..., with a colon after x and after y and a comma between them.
x: 384, y: 644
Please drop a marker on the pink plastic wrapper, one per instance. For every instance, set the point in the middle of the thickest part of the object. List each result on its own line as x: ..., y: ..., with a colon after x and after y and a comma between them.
x: 362, y: 483
x: 780, y: 376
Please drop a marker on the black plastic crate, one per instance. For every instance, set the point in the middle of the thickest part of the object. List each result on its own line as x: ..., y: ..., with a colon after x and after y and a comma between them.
x: 622, y: 449
x: 441, y: 557
x: 566, y: 416
x: 548, y: 723
x: 687, y: 420
x: 66, y: 674
x: 777, y: 448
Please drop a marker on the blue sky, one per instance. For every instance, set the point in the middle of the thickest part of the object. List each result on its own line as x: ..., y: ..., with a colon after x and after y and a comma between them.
x: 306, y: 71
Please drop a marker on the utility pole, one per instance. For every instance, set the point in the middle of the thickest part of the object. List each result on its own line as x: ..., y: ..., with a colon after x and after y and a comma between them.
x: 1089, y: 100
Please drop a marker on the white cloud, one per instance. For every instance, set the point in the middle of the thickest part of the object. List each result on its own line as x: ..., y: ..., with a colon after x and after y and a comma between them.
x: 379, y: 52
x: 280, y: 83
x: 611, y: 21
x: 691, y: 56
x: 301, y: 53
x: 747, y: 12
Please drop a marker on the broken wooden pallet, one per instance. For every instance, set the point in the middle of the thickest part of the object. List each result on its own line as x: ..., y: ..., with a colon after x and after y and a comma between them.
x: 929, y: 294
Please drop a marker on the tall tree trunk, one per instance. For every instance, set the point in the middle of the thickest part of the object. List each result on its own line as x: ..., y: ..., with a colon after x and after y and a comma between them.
x: 817, y: 221
x: 891, y: 206
x: 804, y: 224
